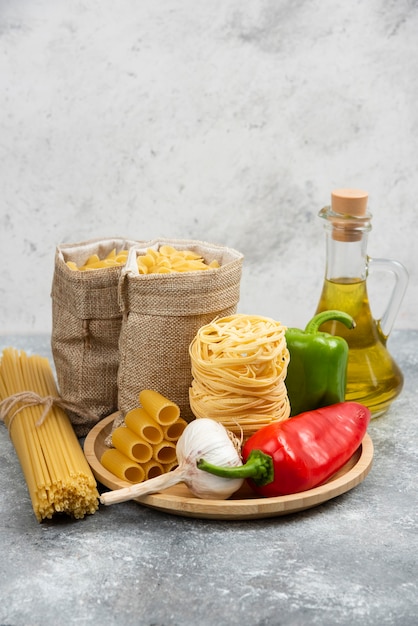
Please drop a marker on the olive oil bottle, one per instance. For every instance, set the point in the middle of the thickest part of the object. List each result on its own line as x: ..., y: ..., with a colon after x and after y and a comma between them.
x: 373, y: 377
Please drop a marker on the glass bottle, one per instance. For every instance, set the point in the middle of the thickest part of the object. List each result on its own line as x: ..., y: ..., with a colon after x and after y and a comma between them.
x: 373, y: 377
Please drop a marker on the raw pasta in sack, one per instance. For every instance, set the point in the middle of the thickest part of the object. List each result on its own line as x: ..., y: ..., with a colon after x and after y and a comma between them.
x: 162, y: 313
x: 86, y: 324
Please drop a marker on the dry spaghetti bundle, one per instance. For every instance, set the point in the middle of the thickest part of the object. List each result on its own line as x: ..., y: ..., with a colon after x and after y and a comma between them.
x: 56, y: 471
x: 239, y: 366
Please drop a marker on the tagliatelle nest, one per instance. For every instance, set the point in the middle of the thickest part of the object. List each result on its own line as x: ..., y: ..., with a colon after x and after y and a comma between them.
x: 239, y: 365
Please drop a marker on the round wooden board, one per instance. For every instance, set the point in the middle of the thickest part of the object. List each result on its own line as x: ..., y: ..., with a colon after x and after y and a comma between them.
x: 243, y: 504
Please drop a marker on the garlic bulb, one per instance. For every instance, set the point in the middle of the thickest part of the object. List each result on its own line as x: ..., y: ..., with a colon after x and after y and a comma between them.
x: 201, y: 439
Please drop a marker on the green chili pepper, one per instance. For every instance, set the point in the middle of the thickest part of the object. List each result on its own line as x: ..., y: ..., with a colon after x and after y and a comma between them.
x: 317, y: 369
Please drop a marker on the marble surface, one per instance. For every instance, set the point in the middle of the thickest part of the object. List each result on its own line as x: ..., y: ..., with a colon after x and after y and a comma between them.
x: 224, y: 121
x: 349, y: 561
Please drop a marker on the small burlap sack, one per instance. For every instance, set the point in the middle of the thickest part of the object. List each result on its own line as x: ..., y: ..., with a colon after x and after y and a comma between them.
x: 162, y: 313
x: 86, y: 324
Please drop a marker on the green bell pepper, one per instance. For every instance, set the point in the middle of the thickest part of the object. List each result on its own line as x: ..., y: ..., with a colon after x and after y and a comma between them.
x: 317, y: 369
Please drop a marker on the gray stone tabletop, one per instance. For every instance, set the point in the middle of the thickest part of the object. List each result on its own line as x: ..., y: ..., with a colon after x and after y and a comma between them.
x: 352, y: 560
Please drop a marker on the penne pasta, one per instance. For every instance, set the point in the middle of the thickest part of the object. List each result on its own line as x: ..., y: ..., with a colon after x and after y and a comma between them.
x: 152, y: 469
x: 131, y: 444
x: 161, y: 409
x: 173, y: 431
x: 121, y: 466
x: 141, y: 423
x: 142, y: 440
x: 164, y: 452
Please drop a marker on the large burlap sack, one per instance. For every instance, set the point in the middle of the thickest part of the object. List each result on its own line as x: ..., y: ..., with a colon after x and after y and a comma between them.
x: 162, y: 313
x: 86, y: 324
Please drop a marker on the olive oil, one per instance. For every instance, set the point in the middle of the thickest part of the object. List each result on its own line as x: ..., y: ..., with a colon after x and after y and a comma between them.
x: 373, y: 377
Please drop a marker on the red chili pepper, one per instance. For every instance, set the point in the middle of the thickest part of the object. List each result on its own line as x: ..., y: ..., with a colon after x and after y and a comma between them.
x: 299, y: 453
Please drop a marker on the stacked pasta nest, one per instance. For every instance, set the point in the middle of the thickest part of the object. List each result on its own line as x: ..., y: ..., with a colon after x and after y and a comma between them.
x: 239, y: 365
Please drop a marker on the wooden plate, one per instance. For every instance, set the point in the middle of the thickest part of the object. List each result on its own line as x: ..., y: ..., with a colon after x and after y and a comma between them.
x: 178, y: 500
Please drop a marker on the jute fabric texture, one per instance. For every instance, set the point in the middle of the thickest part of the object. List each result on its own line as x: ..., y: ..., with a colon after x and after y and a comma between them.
x: 86, y: 325
x: 161, y: 315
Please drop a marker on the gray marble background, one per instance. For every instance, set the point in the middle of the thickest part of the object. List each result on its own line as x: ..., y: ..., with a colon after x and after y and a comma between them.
x: 226, y: 121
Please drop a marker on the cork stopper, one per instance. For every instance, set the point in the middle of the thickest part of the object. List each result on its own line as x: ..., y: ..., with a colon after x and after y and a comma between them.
x: 351, y: 205
x: 349, y: 202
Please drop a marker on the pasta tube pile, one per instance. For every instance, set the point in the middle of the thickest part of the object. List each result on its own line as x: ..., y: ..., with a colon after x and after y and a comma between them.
x: 56, y: 471
x: 239, y: 366
x: 144, y: 446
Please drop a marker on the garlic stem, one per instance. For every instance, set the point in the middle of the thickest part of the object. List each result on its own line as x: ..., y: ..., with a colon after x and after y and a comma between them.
x: 152, y: 485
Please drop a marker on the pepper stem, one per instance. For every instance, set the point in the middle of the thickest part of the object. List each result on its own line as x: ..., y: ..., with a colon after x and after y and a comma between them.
x: 326, y: 316
x: 259, y: 467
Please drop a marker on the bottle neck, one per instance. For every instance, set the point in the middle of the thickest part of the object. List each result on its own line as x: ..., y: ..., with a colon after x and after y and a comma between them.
x: 346, y: 260
x: 346, y: 246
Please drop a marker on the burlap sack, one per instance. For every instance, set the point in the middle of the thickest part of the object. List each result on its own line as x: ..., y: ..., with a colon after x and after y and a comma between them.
x: 86, y: 324
x: 162, y: 313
